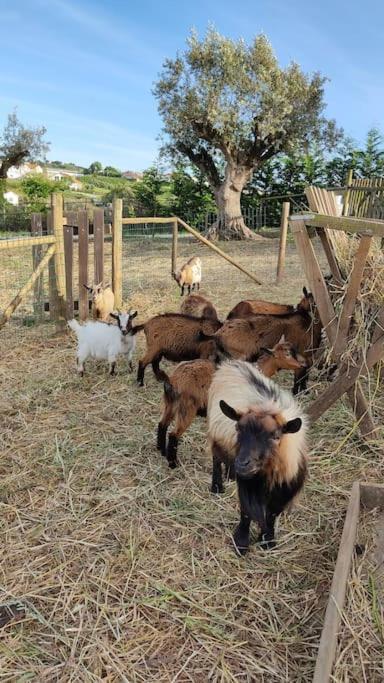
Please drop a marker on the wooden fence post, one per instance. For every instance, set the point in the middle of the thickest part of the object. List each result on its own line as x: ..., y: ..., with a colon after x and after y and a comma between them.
x: 68, y: 250
x: 117, y: 250
x: 283, y: 241
x: 57, y: 224
x: 98, y: 245
x: 83, y: 264
x: 175, y: 233
x: 37, y: 252
x: 349, y: 181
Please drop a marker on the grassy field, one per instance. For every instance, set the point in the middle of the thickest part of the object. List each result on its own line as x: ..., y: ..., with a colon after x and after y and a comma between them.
x: 124, y: 569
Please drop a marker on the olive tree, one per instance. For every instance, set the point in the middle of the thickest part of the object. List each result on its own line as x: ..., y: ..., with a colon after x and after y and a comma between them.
x: 228, y: 107
x: 19, y: 143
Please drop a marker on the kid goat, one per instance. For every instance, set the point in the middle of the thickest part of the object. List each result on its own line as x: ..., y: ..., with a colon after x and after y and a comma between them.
x: 258, y: 428
x: 103, y: 301
x: 189, y: 275
x: 186, y: 392
x: 105, y: 342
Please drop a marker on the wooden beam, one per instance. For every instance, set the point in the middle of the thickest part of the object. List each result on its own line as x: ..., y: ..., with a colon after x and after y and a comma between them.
x: 152, y: 219
x: 68, y: 252
x: 98, y: 244
x: 57, y: 225
x: 283, y: 241
x: 330, y: 254
x: 117, y: 250
x: 351, y: 295
x: 37, y: 254
x: 83, y: 263
x: 328, y: 641
x: 346, y: 379
x: 175, y: 234
x: 365, y: 226
x: 27, y: 287
x: 212, y: 246
x: 18, y: 242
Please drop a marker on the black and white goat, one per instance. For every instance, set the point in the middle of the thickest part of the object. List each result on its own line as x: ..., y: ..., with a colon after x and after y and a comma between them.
x: 105, y: 342
x: 258, y: 431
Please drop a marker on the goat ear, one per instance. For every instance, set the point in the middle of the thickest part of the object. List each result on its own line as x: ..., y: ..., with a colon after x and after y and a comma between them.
x: 268, y: 352
x: 229, y: 412
x: 282, y: 339
x: 292, y: 426
x: 305, y: 292
x: 114, y: 315
x: 133, y: 315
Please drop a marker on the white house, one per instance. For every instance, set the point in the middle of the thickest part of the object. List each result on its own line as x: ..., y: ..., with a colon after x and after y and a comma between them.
x: 16, y: 172
x: 11, y: 197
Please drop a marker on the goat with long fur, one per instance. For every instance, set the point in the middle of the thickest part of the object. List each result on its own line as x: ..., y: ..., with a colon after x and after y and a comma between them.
x: 189, y: 275
x: 186, y: 392
x: 258, y: 429
x: 242, y: 338
x: 198, y: 306
x: 103, y: 301
x: 105, y: 342
x: 251, y: 307
x: 175, y: 337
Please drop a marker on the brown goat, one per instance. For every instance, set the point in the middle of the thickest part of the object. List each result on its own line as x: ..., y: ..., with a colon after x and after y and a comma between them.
x: 251, y: 307
x: 189, y: 275
x: 243, y: 338
x: 175, y: 337
x: 186, y: 392
x: 198, y: 306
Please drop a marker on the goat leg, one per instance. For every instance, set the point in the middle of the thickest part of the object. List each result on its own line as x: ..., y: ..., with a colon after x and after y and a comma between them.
x: 241, y: 534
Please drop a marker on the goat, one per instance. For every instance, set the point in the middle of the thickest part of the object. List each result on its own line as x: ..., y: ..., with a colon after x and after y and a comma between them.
x: 198, y: 306
x: 189, y: 275
x: 176, y: 337
x: 251, y: 307
x: 103, y: 301
x: 242, y: 338
x: 186, y: 392
x: 105, y: 342
x: 257, y: 429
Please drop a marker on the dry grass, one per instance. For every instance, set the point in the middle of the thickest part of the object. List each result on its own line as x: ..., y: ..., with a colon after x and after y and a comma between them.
x: 126, y: 569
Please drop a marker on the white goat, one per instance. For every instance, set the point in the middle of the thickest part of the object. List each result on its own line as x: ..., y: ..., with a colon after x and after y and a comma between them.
x: 105, y: 342
x: 103, y: 300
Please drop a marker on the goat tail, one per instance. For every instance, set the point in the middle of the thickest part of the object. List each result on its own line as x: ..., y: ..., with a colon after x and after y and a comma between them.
x: 74, y: 325
x: 137, y: 328
x: 170, y: 393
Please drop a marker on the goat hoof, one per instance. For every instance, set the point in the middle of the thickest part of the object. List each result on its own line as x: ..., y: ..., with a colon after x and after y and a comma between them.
x: 241, y: 541
x: 215, y: 488
x: 173, y: 464
x: 266, y: 544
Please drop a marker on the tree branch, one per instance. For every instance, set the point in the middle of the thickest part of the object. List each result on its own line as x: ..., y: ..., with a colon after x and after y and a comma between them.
x: 203, y: 160
x: 12, y: 160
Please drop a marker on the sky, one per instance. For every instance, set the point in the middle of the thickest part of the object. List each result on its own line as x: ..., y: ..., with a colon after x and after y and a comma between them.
x: 85, y: 68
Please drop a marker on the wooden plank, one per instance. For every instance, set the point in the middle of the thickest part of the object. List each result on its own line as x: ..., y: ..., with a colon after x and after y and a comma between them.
x: 349, y: 180
x: 315, y: 279
x: 98, y: 244
x: 213, y: 247
x: 330, y: 254
x: 351, y: 294
x: 52, y: 287
x: 57, y: 225
x: 18, y: 242
x: 328, y: 641
x: 153, y: 219
x: 365, y: 226
x: 360, y: 407
x: 175, y: 234
x: 83, y: 263
x: 348, y: 375
x: 68, y: 255
x: 27, y: 287
x: 37, y: 253
x: 283, y: 241
x: 117, y: 250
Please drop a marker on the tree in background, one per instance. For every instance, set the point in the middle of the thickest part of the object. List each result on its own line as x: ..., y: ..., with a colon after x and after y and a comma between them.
x: 95, y: 168
x: 124, y: 192
x: 192, y: 197
x: 370, y: 160
x: 229, y: 108
x: 19, y: 144
x: 38, y: 188
x: 147, y: 191
x: 112, y: 172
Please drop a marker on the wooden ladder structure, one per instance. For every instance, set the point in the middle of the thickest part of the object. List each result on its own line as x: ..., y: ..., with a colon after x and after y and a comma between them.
x: 324, y: 218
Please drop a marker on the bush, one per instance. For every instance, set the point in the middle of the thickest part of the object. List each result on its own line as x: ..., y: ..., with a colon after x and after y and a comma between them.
x: 37, y: 190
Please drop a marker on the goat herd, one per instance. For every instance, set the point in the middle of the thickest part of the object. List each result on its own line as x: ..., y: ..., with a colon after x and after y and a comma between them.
x: 256, y: 429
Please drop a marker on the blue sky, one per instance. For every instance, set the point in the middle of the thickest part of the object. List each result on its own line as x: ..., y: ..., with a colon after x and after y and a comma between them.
x: 85, y: 68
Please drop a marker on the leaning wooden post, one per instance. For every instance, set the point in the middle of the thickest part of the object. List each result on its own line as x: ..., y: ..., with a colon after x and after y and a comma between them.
x: 175, y: 233
x: 57, y: 224
x: 349, y: 181
x: 117, y: 250
x: 37, y: 252
x: 283, y: 241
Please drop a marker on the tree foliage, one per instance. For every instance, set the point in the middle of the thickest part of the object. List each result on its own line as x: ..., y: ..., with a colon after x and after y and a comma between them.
x: 229, y: 107
x: 19, y: 143
x: 37, y: 189
x: 94, y: 169
x: 112, y: 172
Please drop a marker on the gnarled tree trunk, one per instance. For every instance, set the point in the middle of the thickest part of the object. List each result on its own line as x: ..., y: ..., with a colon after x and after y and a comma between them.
x: 230, y: 222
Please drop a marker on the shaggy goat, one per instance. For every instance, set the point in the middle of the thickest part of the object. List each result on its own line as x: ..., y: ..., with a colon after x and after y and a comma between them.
x: 103, y: 301
x: 258, y: 429
x: 251, y: 307
x: 242, y: 338
x: 105, y: 342
x: 186, y: 392
x: 189, y: 275
x: 198, y: 306
x: 175, y: 337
